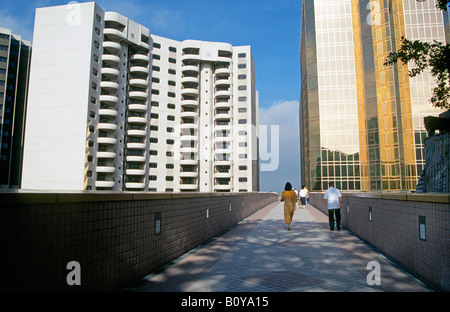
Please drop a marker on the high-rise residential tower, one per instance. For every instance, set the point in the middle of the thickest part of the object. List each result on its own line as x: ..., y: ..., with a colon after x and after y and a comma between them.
x: 114, y: 107
x: 361, y: 121
x: 15, y: 55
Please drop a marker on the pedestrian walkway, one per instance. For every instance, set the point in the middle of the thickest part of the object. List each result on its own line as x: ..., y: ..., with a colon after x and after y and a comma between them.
x: 261, y: 255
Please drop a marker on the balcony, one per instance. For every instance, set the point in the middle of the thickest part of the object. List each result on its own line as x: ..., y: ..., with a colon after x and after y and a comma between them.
x: 223, y: 82
x: 111, y: 59
x: 135, y: 172
x: 140, y: 58
x: 141, y: 120
x: 190, y: 57
x: 134, y: 185
x: 138, y: 82
x: 188, y: 114
x: 223, y: 71
x: 112, y: 46
x: 107, y: 155
x: 140, y: 159
x: 139, y: 69
x: 220, y: 187
x: 141, y: 95
x: 110, y: 86
x: 114, y: 34
x: 223, y: 116
x: 111, y: 73
x: 138, y: 133
x: 107, y: 126
x: 105, y: 184
x: 189, y: 68
x: 104, y: 169
x: 188, y: 162
x: 138, y: 146
x: 193, y: 103
x: 188, y: 174
x: 189, y: 79
x: 112, y: 113
x: 106, y: 140
x: 137, y: 107
x: 188, y: 187
x: 223, y: 93
x: 189, y: 91
x: 109, y: 99
x: 188, y: 138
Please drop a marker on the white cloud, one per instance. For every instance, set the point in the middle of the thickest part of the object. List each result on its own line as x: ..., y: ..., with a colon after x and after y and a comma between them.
x: 285, y: 114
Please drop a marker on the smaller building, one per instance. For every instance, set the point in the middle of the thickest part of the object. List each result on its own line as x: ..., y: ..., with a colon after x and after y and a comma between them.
x: 15, y: 55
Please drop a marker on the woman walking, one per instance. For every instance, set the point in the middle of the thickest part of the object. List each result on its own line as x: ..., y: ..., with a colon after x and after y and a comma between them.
x: 289, y: 198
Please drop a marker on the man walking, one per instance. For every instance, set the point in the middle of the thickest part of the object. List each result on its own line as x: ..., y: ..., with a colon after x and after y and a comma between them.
x: 333, y: 200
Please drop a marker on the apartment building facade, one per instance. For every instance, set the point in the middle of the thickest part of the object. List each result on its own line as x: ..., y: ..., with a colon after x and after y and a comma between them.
x: 114, y: 107
x: 15, y: 56
x: 361, y: 122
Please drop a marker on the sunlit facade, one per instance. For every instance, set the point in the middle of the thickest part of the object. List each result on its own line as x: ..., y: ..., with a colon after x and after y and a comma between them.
x: 361, y: 122
x: 114, y: 107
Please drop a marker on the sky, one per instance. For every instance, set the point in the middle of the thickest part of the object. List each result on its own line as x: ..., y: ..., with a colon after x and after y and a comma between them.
x: 271, y: 28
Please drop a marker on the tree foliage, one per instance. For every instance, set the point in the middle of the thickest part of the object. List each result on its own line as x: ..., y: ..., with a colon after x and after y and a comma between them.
x: 434, y: 56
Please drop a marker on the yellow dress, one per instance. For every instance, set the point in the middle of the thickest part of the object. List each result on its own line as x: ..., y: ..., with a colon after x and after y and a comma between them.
x: 289, y: 198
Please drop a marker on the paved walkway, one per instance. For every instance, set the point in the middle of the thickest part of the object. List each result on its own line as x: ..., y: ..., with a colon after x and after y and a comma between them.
x: 261, y: 255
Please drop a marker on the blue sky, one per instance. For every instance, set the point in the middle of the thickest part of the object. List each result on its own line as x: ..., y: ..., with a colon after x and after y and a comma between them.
x: 271, y: 28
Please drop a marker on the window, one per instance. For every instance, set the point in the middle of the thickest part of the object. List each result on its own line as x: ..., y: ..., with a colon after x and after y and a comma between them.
x: 154, y: 91
x: 242, y: 110
x: 242, y: 99
x: 242, y: 54
x: 153, y: 128
x: 153, y: 140
x: 171, y: 94
x: 171, y: 106
x: 172, y: 71
x: 154, y: 104
x: 172, y: 83
x: 242, y: 76
x: 169, y: 166
x: 153, y: 152
x: 156, y: 57
x: 242, y: 156
x: 242, y: 88
x: 154, y: 115
x: 172, y: 60
x: 156, y: 45
x: 156, y: 68
x: 171, y: 118
x: 242, y: 65
x: 152, y: 178
x: 242, y: 121
x: 242, y: 167
x: 153, y: 165
x: 170, y: 141
x: 169, y: 178
x: 172, y: 49
x: 242, y: 179
x: 155, y: 80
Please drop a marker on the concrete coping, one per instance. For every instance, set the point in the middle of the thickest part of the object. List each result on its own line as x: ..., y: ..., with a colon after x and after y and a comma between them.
x: 20, y: 197
x: 420, y: 197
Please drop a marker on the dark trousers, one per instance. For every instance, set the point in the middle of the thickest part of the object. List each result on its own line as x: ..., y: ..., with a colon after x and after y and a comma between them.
x: 332, y: 215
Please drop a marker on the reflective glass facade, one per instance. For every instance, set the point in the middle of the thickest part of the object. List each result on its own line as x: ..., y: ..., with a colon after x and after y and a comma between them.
x: 361, y: 122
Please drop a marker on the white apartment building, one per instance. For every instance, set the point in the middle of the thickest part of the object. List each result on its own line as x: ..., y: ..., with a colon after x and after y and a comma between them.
x: 113, y: 107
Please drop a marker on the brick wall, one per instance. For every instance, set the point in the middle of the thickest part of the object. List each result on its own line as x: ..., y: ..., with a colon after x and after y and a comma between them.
x: 394, y: 229
x: 112, y: 236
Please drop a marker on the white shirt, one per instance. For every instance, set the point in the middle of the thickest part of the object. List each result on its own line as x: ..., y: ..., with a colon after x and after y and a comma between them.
x: 332, y: 195
x: 302, y: 193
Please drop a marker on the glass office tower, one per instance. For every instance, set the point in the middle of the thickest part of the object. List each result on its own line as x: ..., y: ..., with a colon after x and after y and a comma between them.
x: 361, y: 122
